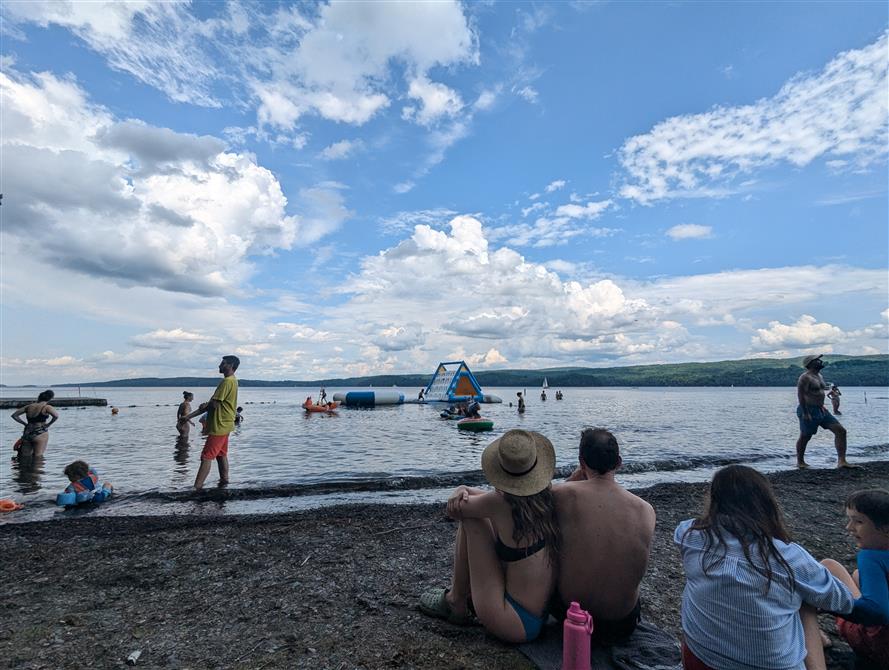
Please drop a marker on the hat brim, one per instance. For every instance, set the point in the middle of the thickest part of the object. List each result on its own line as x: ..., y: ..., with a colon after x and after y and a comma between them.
x: 535, y: 481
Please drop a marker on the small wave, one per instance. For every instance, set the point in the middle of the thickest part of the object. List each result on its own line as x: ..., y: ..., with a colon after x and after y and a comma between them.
x: 381, y: 483
x: 384, y: 484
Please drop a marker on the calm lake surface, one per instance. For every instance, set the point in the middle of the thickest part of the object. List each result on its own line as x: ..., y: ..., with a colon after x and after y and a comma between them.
x: 283, y: 458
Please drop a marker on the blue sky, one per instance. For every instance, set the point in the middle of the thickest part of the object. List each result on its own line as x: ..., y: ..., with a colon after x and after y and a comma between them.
x: 334, y: 189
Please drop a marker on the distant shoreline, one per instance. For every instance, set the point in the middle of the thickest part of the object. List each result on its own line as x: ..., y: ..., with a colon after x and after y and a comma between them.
x: 852, y: 371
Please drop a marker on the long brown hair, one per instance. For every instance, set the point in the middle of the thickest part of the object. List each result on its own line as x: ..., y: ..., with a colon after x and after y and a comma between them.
x: 534, y: 519
x: 743, y: 505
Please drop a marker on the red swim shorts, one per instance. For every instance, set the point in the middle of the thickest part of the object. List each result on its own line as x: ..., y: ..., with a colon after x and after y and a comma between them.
x: 868, y: 642
x: 690, y: 661
x: 214, y: 447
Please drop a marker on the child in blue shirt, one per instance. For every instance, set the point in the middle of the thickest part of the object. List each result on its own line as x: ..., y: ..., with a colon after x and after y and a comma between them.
x: 866, y: 629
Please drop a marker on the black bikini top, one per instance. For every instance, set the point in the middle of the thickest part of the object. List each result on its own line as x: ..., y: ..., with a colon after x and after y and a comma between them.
x: 509, y: 554
x: 38, y: 418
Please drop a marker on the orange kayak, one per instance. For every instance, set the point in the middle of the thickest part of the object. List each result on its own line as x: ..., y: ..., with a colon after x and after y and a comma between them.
x: 329, y: 407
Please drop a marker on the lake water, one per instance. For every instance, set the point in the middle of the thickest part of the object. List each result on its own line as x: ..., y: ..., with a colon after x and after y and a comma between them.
x: 284, y: 459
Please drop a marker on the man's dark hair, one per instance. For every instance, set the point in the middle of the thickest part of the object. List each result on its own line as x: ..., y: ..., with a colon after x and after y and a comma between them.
x: 46, y: 396
x: 234, y: 361
x: 872, y: 503
x: 599, y: 450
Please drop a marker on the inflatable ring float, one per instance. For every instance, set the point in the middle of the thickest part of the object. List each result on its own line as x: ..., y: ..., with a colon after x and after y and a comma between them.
x: 475, y: 425
x: 9, y: 505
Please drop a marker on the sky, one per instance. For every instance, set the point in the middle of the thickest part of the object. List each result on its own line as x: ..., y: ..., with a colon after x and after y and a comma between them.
x: 345, y: 188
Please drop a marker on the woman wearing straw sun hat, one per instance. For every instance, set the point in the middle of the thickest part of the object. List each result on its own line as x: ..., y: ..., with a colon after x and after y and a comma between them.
x: 507, y: 542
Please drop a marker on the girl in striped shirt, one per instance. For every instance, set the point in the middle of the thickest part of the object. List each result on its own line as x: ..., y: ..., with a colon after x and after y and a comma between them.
x: 750, y: 593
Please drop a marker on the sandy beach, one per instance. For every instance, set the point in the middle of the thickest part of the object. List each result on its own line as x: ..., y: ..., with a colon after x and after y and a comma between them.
x: 330, y: 588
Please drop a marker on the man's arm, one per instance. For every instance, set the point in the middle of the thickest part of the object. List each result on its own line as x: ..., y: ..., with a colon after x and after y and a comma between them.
x: 203, y: 408
x: 801, y: 396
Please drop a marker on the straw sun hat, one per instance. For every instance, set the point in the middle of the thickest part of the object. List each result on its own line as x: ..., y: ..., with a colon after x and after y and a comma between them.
x: 520, y: 462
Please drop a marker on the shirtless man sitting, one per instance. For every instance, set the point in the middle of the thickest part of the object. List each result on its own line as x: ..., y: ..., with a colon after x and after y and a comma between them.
x: 606, y: 540
x: 810, y: 391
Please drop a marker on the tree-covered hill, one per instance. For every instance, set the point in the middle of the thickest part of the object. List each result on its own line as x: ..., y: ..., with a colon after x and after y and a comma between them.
x: 842, y: 370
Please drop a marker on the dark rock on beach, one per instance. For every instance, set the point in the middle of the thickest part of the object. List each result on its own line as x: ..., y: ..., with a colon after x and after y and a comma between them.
x: 330, y: 588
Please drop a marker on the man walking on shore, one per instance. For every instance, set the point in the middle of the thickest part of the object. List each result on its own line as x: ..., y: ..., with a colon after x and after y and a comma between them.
x: 221, y: 410
x: 810, y: 391
x: 606, y: 541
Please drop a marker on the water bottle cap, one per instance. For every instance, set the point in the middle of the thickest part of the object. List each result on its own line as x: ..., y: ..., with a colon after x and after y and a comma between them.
x: 577, y: 614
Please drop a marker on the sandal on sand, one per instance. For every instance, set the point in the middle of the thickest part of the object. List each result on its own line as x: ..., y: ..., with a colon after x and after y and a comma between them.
x: 435, y: 604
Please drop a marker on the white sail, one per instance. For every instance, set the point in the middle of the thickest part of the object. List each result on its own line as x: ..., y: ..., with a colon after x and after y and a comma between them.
x: 545, y: 385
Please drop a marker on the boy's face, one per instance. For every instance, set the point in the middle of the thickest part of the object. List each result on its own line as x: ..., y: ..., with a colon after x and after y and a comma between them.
x: 865, y: 532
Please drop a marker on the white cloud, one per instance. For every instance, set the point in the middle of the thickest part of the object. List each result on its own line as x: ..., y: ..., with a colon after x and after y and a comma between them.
x: 340, y: 150
x: 486, y: 100
x: 592, y: 210
x: 166, y: 339
x: 156, y: 42
x: 555, y: 185
x: 131, y: 202
x: 335, y: 60
x: 437, y: 101
x: 838, y: 113
x: 402, y: 222
x: 527, y: 93
x: 400, y: 338
x: 806, y: 332
x: 537, y: 206
x: 690, y: 231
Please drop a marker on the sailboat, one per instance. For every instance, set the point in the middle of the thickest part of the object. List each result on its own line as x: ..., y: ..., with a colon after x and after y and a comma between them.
x: 545, y: 385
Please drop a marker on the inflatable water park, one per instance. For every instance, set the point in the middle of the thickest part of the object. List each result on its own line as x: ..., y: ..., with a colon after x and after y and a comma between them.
x: 452, y: 382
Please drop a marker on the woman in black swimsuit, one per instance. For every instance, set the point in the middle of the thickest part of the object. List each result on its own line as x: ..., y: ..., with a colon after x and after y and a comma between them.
x: 507, y: 542
x: 39, y: 416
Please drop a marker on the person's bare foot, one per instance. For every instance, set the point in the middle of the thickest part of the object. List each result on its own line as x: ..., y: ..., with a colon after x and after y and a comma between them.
x: 802, y: 465
x: 847, y: 465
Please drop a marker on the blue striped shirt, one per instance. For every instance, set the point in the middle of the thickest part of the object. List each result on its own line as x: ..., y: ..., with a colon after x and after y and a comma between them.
x: 729, y: 620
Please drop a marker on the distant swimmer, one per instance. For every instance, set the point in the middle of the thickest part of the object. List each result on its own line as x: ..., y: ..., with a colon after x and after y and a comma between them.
x: 184, y: 425
x: 834, y: 396
x: 810, y: 391
x: 543, y: 394
x: 239, y: 416
x: 521, y: 403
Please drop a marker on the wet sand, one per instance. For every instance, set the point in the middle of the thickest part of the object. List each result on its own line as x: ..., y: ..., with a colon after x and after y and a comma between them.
x: 330, y: 588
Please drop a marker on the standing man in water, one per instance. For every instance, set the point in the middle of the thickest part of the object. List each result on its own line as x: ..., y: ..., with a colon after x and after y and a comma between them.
x: 810, y: 390
x: 221, y: 410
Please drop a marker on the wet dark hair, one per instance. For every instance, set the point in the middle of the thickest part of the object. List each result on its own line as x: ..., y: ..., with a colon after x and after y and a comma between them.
x: 188, y: 395
x: 240, y: 409
x: 77, y: 470
x: 599, y: 450
x: 534, y: 519
x: 234, y: 361
x: 872, y: 503
x: 46, y: 396
x: 743, y: 504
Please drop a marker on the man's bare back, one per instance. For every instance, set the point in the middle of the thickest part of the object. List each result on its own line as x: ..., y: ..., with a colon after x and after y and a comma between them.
x: 606, y: 533
x: 606, y: 538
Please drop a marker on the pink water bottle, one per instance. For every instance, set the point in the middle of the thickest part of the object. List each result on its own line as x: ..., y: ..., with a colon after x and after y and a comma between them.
x: 576, y: 633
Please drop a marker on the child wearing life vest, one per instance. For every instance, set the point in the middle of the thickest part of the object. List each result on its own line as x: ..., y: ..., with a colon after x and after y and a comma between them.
x: 85, y: 484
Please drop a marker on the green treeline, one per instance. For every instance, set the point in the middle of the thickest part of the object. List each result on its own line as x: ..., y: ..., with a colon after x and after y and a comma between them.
x: 841, y: 370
